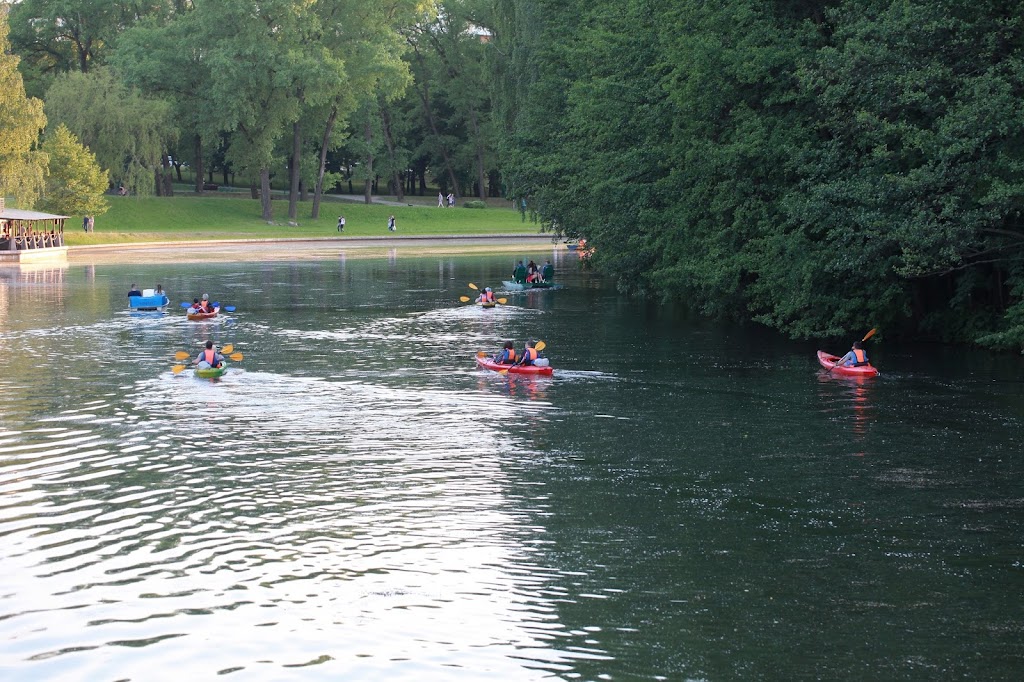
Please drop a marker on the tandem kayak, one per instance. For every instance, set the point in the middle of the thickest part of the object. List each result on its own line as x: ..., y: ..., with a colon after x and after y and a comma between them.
x: 828, y: 362
x: 487, y: 363
x: 212, y: 372
x: 203, y: 316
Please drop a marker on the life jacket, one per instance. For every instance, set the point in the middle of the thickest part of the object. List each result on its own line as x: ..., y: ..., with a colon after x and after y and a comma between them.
x: 509, y: 357
x: 861, y: 357
x: 204, y: 306
x: 210, y: 355
x: 487, y: 296
x: 529, y: 355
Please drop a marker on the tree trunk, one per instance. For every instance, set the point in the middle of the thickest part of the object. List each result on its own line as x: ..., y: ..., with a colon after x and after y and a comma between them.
x: 389, y: 141
x: 268, y: 210
x: 293, y: 190
x: 368, y: 185
x: 168, y: 181
x: 197, y: 146
x: 318, y: 191
x: 428, y: 111
x: 254, y: 191
x: 158, y: 184
x: 481, y: 186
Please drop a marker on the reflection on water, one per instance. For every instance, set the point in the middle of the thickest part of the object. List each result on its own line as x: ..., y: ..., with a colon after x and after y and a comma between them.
x: 356, y: 500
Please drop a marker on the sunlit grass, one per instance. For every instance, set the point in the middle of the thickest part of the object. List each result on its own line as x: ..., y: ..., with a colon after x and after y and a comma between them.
x: 133, y: 219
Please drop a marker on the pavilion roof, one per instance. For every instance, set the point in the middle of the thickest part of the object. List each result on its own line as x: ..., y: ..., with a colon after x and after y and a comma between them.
x: 18, y: 214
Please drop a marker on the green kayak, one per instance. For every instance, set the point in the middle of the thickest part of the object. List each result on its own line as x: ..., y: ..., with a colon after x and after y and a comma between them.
x: 212, y: 372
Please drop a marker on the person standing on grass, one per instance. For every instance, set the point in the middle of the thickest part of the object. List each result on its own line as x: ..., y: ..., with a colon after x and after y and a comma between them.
x: 440, y: 200
x: 341, y: 223
x: 391, y: 224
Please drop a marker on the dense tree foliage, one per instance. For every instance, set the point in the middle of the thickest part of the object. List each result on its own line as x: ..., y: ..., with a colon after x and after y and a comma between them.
x: 818, y: 167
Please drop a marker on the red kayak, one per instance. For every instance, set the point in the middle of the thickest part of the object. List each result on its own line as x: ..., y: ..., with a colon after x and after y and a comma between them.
x: 828, y: 362
x: 487, y: 363
x: 203, y: 316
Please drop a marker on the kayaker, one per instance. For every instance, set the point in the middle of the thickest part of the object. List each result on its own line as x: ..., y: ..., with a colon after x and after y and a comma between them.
x: 486, y: 296
x: 547, y: 273
x: 530, y: 354
x: 209, y: 358
x: 532, y: 273
x: 134, y: 290
x: 507, y: 356
x: 519, y: 273
x: 204, y: 305
x: 857, y: 357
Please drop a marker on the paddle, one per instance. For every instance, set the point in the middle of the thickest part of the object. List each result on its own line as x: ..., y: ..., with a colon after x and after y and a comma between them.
x: 474, y: 287
x: 464, y: 299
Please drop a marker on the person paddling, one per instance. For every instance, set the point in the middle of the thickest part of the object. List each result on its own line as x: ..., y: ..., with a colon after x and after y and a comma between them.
x: 530, y: 354
x: 209, y: 358
x: 486, y: 296
x: 507, y: 356
x: 857, y: 357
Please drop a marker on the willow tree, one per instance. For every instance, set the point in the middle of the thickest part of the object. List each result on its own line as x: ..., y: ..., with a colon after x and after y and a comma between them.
x: 128, y: 132
x: 22, y: 164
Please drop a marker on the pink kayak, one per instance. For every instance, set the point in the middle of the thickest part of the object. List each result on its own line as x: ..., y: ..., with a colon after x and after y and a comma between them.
x: 487, y: 363
x: 828, y: 361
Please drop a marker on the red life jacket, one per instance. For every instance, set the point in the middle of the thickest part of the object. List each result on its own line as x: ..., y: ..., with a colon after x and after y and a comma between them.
x: 861, y: 356
x: 487, y: 296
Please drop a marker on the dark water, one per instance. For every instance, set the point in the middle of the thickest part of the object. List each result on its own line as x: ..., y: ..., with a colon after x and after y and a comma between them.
x: 354, y: 500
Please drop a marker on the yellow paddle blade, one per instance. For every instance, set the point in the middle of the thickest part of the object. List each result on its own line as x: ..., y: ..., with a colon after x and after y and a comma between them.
x: 502, y: 301
x: 541, y: 345
x: 464, y: 299
x: 237, y: 357
x: 502, y: 371
x: 227, y: 349
x: 181, y: 355
x: 869, y: 335
x: 481, y: 354
x: 177, y: 369
x: 473, y: 287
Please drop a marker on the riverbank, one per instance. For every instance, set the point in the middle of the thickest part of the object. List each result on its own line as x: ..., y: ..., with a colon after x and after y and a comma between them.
x: 310, y: 248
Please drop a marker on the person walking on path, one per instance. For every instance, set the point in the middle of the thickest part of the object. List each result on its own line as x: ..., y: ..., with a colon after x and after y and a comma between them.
x: 341, y: 223
x: 451, y: 200
x: 391, y: 224
x: 440, y: 200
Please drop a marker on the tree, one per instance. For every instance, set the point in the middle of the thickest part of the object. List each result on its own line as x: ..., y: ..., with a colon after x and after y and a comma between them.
x: 22, y: 164
x: 76, y: 183
x: 128, y: 133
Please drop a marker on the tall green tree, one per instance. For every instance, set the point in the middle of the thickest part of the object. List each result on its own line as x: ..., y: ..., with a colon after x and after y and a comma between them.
x: 128, y: 132
x: 22, y: 164
x: 76, y: 183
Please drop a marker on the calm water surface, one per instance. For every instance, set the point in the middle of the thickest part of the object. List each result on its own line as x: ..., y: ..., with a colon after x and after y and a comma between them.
x: 354, y: 500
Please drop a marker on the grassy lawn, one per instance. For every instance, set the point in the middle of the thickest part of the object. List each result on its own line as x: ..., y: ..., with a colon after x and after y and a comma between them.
x: 236, y: 216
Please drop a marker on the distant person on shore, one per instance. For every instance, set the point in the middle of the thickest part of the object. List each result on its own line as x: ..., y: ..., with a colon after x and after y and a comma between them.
x: 451, y: 200
x: 134, y: 291
x: 85, y: 223
x: 341, y: 223
x: 391, y: 224
x: 440, y: 200
x: 92, y: 223
x: 121, y: 191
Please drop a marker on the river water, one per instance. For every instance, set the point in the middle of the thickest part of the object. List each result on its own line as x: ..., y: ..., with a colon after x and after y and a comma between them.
x: 355, y: 500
